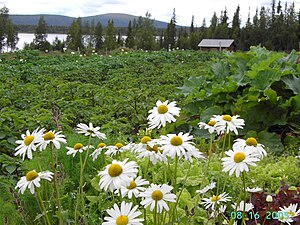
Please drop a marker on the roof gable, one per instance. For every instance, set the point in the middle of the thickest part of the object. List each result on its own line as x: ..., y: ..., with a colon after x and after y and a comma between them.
x: 216, y: 43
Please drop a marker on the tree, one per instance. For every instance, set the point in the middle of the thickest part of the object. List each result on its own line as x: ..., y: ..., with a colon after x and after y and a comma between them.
x: 98, y: 36
x: 110, y: 42
x: 40, y: 35
x: 213, y: 26
x: 129, y: 42
x: 194, y: 38
x: 170, y: 40
x: 8, y: 33
x: 222, y: 30
x: 11, y: 36
x: 145, y: 33
x: 236, y: 26
x: 74, y: 35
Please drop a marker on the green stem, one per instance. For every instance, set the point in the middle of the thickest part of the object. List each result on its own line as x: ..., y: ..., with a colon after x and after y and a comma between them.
x: 43, y: 206
x: 147, y: 167
x: 155, y: 213
x: 177, y: 199
x: 56, y: 184
x: 210, y: 146
x: 145, y: 216
x: 244, y: 207
x: 224, y: 141
x: 175, y: 174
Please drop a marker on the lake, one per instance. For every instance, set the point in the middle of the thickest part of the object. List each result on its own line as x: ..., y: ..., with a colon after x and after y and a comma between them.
x: 28, y: 38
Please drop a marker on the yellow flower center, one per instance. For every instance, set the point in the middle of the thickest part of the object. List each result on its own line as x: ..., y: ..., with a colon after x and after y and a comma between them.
x: 239, y: 157
x: 132, y: 185
x: 48, y: 136
x: 122, y: 220
x: 78, y: 146
x: 215, y: 198
x: 101, y: 145
x: 157, y: 195
x: 251, y: 142
x: 162, y: 109
x: 115, y: 170
x: 212, y: 123
x: 227, y: 118
x: 176, y: 141
x: 291, y: 214
x: 28, y: 139
x: 119, y: 145
x: 31, y: 175
x: 155, y: 148
x: 145, y: 139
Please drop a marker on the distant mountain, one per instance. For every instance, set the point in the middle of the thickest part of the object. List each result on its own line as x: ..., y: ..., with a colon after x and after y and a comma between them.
x: 120, y: 20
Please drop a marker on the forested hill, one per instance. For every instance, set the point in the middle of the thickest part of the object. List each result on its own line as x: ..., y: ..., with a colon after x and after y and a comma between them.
x: 120, y: 20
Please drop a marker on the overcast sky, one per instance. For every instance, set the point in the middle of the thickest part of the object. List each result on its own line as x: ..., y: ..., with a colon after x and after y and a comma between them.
x: 159, y: 9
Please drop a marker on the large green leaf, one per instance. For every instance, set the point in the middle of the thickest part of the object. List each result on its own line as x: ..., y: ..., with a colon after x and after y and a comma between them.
x: 264, y: 78
x: 192, y: 84
x: 293, y: 83
x: 271, y: 141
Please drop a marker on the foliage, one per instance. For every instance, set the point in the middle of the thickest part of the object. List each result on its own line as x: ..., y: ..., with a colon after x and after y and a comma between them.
x: 8, y: 31
x: 260, y: 86
x: 112, y: 91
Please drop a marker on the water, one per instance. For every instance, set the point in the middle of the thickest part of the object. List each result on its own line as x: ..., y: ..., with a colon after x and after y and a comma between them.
x: 28, y: 38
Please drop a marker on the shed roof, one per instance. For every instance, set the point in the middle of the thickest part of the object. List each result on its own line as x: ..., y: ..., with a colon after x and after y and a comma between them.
x: 216, y: 43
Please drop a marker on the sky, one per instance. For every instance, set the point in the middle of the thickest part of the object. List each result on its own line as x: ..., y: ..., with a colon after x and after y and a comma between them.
x: 159, y: 9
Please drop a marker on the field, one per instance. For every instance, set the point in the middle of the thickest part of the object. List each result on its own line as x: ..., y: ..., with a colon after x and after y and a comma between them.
x: 188, y: 173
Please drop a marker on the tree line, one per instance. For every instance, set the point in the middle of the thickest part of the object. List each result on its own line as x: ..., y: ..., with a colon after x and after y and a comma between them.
x: 276, y: 27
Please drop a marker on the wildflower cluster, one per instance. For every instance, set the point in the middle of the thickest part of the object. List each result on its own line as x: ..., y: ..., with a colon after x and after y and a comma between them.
x: 129, y: 179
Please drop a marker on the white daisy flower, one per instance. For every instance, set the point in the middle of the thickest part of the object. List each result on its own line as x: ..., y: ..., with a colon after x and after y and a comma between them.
x: 29, y: 143
x: 162, y: 113
x: 125, y: 215
x: 227, y: 123
x: 238, y: 161
x: 179, y: 145
x: 78, y: 147
x: 152, y: 151
x: 101, y: 146
x: 134, y: 189
x: 206, y: 188
x: 159, y: 195
x: 90, y: 131
x: 288, y: 213
x: 32, y: 179
x: 240, y: 207
x: 117, y: 174
x: 142, y: 145
x: 118, y: 148
x: 215, y: 200
x: 52, y: 137
x: 210, y: 126
x: 251, y: 144
x: 254, y: 190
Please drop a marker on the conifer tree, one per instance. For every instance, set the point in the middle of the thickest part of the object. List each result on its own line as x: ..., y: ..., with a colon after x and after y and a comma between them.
x: 170, y: 40
x: 110, y: 42
x: 40, y: 35
x: 129, y: 42
x: 74, y: 36
x: 145, y: 33
x: 98, y: 36
x: 236, y: 26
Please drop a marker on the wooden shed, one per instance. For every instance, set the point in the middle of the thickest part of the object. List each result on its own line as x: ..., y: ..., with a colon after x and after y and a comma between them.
x: 217, y: 45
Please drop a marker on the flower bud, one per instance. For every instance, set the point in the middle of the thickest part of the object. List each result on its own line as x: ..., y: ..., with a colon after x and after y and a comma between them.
x: 269, y: 198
